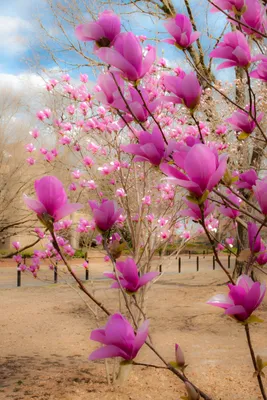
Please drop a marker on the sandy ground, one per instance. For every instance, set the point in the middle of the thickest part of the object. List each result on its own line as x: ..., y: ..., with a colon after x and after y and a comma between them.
x: 44, y: 343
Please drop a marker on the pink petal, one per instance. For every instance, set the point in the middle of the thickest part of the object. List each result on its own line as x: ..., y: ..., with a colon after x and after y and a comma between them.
x: 34, y: 205
x: 147, y: 278
x: 109, y: 351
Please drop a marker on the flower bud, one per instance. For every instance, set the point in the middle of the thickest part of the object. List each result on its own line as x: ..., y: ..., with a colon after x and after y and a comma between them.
x: 179, y: 356
x: 191, y: 392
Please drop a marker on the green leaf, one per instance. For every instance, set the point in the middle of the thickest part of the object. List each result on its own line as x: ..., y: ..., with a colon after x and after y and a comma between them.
x: 192, y: 199
x: 173, y: 364
x: 204, y: 197
x: 253, y: 319
x: 243, y: 136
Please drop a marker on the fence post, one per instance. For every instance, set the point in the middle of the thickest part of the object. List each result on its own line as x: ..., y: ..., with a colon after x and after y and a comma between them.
x: 204, y: 253
x: 86, y: 274
x: 55, y: 273
x: 179, y: 265
x: 213, y: 262
x: 160, y: 268
x: 189, y: 254
x: 197, y: 259
x: 229, y: 260
x: 18, y: 277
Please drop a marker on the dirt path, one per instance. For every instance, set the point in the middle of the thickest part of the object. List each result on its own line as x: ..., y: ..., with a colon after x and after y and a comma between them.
x: 44, y: 344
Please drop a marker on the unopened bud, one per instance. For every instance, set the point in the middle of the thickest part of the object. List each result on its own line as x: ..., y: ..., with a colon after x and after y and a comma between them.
x: 179, y: 356
x: 191, y: 392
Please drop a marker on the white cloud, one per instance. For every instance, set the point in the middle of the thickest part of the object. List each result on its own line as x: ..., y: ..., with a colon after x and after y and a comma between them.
x: 14, y: 33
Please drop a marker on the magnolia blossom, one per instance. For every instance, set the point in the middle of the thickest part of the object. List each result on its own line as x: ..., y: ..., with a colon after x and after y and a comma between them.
x: 243, y: 122
x: 233, y: 48
x: 132, y: 64
x: 51, y: 200
x: 261, y: 71
x: 119, y: 339
x: 16, y: 245
x: 128, y: 276
x: 242, y: 299
x: 181, y: 29
x: 227, y: 210
x: 254, y: 237
x: 186, y: 88
x: 260, y: 192
x: 103, y: 31
x: 247, y: 179
x: 105, y: 213
x: 203, y: 169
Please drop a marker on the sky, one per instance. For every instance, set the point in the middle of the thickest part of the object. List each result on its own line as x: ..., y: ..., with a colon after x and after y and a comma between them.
x: 19, y: 35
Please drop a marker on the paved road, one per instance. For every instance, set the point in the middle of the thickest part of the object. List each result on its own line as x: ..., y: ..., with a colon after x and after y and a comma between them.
x: 8, y: 273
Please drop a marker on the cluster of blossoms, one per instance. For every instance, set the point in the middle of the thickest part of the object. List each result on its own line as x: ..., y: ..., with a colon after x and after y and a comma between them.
x: 131, y: 97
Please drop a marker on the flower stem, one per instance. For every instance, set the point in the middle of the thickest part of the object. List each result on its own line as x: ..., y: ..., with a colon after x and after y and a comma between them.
x: 255, y: 363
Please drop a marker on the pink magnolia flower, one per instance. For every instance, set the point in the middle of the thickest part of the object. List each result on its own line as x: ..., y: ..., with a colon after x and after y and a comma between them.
x: 229, y: 5
x: 106, y: 258
x: 235, y: 49
x: 243, y: 122
x: 76, y: 174
x: 132, y: 64
x: 31, y: 161
x: 203, y: 169
x: 186, y: 235
x: 84, y: 78
x: 262, y: 255
x: 72, y: 187
x: 30, y: 147
x: 88, y: 161
x: 119, y: 339
x: 120, y: 192
x: 254, y: 237
x: 221, y: 130
x: 181, y: 29
x: 242, y: 299
x: 261, y: 71
x: 260, y: 192
x: 220, y: 247
x: 99, y: 239
x: 186, y: 88
x: 51, y: 200
x: 34, y: 133
x: 194, y: 210
x: 179, y: 356
x: 146, y: 200
x: 17, y: 258
x: 150, y: 217
x: 128, y: 276
x: 254, y: 16
x: 103, y: 31
x: 110, y: 84
x: 105, y: 213
x: 227, y: 210
x: 230, y: 241
x: 247, y: 179
x: 16, y: 245
x: 151, y: 147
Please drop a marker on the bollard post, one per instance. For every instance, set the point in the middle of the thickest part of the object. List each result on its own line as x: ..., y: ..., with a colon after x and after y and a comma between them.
x: 204, y: 253
x: 86, y: 274
x: 229, y: 261
x: 18, y: 278
x: 179, y: 265
x: 55, y: 273
x: 197, y: 259
x: 213, y: 262
x: 160, y: 268
x: 189, y: 254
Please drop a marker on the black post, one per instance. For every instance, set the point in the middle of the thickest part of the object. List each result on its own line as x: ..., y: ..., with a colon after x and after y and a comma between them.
x: 86, y: 274
x: 18, y: 278
x: 213, y: 262
x: 160, y: 268
x: 189, y: 254
x: 179, y: 265
x: 55, y: 273
x: 197, y: 263
x: 203, y: 253
x: 229, y: 260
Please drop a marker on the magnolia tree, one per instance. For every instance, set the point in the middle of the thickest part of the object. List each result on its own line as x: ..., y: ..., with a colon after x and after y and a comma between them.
x: 147, y: 155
